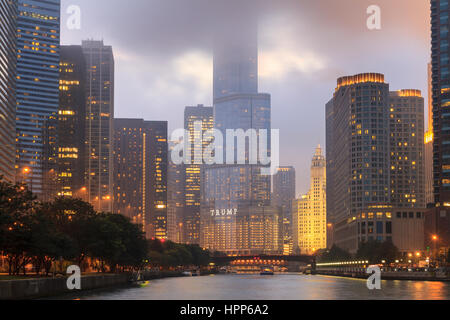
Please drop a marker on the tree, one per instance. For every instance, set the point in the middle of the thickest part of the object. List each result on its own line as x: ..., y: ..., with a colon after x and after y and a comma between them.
x: 375, y: 251
x: 16, y: 206
x: 74, y: 218
x: 335, y: 254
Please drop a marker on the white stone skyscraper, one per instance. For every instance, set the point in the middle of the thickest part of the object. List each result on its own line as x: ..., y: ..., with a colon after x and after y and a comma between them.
x: 310, y: 212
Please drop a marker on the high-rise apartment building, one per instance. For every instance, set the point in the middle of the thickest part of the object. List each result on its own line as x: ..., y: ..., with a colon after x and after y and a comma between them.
x: 407, y: 153
x: 99, y: 123
x: 236, y: 215
x: 438, y: 219
x: 309, y: 218
x: 382, y: 145
x: 71, y: 123
x: 140, y: 173
x: 282, y: 196
x: 204, y: 118
x: 357, y: 152
x: 38, y: 38
x: 8, y: 27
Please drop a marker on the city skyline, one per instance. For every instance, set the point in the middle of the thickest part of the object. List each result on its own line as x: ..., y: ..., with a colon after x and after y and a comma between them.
x: 303, y: 141
x: 176, y: 64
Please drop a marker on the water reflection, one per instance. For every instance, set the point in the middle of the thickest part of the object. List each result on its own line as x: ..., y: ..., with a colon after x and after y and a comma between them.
x: 278, y: 287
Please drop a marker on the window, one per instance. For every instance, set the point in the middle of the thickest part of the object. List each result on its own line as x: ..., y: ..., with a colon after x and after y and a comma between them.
x: 379, y: 227
x: 389, y: 227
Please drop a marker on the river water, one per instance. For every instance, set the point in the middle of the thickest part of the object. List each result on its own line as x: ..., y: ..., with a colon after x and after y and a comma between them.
x: 278, y: 287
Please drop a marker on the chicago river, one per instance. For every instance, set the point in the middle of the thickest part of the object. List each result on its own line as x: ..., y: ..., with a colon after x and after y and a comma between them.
x: 278, y: 287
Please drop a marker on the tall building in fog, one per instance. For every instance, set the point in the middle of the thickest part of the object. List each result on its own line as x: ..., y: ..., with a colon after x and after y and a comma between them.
x: 407, y: 153
x: 428, y: 140
x: 8, y: 27
x: 140, y: 173
x: 381, y: 197
x: 204, y: 118
x: 236, y: 215
x: 99, y: 123
x: 71, y: 123
x: 438, y: 219
x: 282, y: 197
x: 38, y: 38
x: 309, y: 217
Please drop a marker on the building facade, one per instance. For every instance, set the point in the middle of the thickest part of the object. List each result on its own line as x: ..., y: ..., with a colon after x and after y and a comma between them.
x: 175, y: 199
x: 407, y: 150
x: 437, y: 219
x: 204, y: 118
x: 282, y: 196
x: 236, y: 216
x: 38, y: 57
x: 99, y: 123
x: 428, y: 140
x: 71, y: 123
x: 357, y: 152
x: 140, y: 173
x: 383, y: 147
x: 309, y: 220
x: 8, y: 60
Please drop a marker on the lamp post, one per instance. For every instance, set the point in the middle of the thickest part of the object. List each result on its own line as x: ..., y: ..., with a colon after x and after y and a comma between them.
x: 435, y: 239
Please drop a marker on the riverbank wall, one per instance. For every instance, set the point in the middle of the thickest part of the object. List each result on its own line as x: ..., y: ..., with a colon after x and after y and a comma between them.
x: 409, y: 276
x: 50, y: 287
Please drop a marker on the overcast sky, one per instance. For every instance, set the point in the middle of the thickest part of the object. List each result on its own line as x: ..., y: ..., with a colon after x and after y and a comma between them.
x: 163, y: 56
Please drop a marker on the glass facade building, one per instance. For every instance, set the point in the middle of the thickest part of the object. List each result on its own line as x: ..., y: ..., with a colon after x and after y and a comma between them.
x: 440, y: 11
x: 140, y: 173
x: 8, y: 15
x: 71, y: 123
x: 194, y: 172
x: 236, y: 216
x: 438, y: 219
x: 283, y: 195
x: 99, y: 123
x: 38, y: 57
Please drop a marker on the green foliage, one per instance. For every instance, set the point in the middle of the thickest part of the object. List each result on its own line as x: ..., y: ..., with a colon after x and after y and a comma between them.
x: 65, y: 229
x: 170, y: 254
x: 375, y: 251
x: 335, y: 254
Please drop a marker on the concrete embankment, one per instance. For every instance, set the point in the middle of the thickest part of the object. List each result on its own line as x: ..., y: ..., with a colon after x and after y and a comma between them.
x: 410, y: 276
x: 50, y: 287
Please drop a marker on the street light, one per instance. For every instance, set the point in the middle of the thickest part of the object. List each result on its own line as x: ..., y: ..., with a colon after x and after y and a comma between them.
x: 27, y: 172
x: 435, y: 239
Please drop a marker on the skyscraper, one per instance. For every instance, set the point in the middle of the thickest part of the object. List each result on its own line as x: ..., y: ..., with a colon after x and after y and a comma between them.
x: 140, y: 173
x: 71, y: 123
x: 282, y: 197
x: 429, y: 190
x: 8, y: 23
x: 438, y: 219
x: 175, y: 199
x: 310, y: 212
x: 194, y: 172
x: 406, y: 125
x: 236, y: 213
x: 382, y: 197
x: 357, y: 152
x: 38, y: 35
x: 99, y: 123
